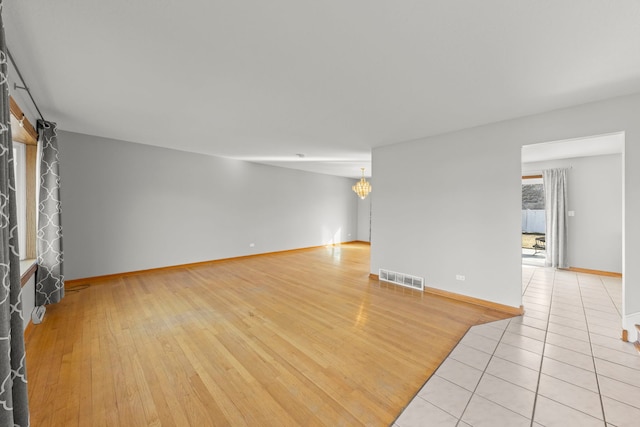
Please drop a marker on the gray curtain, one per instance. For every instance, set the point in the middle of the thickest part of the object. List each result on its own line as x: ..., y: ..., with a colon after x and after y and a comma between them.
x: 49, y: 276
x: 555, y: 201
x: 14, y: 404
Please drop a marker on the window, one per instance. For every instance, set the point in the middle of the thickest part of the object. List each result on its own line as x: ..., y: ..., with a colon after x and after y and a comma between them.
x: 20, y: 170
x: 24, y: 155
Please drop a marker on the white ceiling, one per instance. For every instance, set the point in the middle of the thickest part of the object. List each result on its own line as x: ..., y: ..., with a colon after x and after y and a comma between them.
x: 582, y: 147
x: 265, y: 80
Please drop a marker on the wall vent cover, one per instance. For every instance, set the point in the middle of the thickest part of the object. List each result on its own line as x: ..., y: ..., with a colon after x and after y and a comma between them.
x: 38, y: 314
x: 402, y: 279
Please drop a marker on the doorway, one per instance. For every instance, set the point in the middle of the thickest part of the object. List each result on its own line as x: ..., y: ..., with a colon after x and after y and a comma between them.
x: 595, y: 196
x: 533, y: 221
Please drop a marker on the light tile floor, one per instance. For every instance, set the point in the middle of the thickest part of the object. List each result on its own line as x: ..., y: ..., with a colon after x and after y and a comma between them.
x: 560, y: 364
x: 532, y: 257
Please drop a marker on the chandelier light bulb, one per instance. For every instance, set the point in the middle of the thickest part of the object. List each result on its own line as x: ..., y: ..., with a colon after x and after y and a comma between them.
x: 362, y: 187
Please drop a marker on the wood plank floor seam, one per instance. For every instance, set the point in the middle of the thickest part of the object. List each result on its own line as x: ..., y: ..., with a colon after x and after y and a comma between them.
x: 296, y: 338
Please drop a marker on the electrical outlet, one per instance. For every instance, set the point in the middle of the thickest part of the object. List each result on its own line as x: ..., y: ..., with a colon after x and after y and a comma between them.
x: 460, y: 277
x: 252, y: 245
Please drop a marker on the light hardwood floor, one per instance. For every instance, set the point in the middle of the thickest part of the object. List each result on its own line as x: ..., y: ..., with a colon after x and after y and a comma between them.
x: 296, y: 338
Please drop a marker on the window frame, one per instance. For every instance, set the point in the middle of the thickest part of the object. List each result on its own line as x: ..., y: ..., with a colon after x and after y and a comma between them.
x: 22, y: 131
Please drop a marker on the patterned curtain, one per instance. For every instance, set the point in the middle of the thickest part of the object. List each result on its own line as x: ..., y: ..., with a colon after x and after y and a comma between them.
x: 49, y: 276
x: 14, y: 404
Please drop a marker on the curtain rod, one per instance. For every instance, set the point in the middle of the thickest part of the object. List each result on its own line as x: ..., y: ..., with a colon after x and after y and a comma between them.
x: 25, y: 87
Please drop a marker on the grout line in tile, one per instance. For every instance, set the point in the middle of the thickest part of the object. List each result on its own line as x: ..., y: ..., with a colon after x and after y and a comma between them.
x: 544, y: 344
x: 495, y: 403
x: 563, y: 288
x: 430, y: 403
x: 614, y: 362
x: 567, y: 382
x: 524, y: 291
x: 577, y: 410
x: 619, y: 401
x: 482, y: 375
x: 595, y: 368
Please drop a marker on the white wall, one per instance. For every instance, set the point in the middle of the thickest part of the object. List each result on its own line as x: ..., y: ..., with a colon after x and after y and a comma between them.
x: 364, y: 218
x: 595, y: 195
x: 21, y: 96
x: 423, y: 223
x: 128, y: 207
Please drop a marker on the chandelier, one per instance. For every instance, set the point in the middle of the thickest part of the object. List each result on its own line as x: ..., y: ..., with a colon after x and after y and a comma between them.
x: 362, y: 187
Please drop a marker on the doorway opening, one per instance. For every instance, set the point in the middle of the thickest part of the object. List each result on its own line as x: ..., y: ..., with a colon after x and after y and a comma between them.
x: 533, y: 221
x: 594, y: 209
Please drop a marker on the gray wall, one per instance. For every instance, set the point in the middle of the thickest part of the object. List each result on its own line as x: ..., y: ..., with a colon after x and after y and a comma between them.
x: 128, y: 207
x: 442, y: 207
x: 28, y: 299
x: 450, y: 204
x: 595, y: 195
x: 364, y: 215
